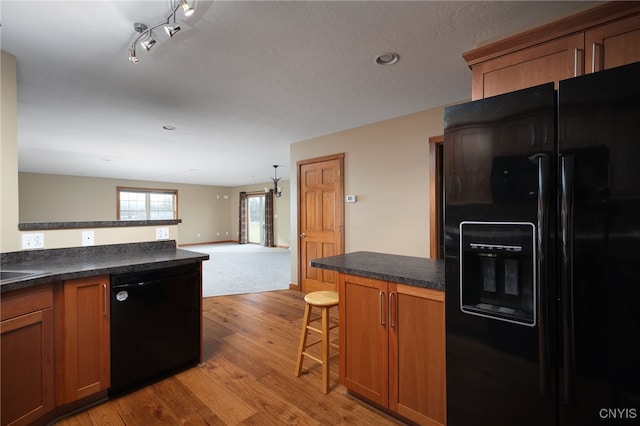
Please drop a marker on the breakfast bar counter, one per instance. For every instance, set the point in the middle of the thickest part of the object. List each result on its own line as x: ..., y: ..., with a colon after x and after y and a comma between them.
x: 415, y: 271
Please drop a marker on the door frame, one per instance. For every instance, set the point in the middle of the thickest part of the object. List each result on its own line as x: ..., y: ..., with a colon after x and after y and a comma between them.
x: 339, y: 206
x: 436, y: 197
x: 262, y: 224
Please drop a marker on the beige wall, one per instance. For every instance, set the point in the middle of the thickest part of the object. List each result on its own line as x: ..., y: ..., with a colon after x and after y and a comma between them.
x: 10, y: 239
x: 208, y: 213
x: 282, y: 219
x: 62, y: 238
x: 204, y: 210
x: 386, y: 166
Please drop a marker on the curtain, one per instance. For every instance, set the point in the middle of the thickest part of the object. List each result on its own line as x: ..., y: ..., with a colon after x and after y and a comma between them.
x: 268, y: 220
x: 242, y: 226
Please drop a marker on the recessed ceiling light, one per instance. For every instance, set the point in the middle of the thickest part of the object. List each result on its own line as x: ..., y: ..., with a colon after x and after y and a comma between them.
x: 387, y: 58
x: 169, y: 127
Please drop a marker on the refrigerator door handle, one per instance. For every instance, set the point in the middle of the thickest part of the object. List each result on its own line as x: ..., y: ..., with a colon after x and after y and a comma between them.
x: 566, y: 224
x: 542, y: 161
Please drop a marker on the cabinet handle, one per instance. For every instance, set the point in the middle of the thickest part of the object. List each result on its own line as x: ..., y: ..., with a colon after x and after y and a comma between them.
x: 575, y: 62
x: 593, y: 57
x: 104, y: 291
x: 391, y: 323
x: 380, y: 305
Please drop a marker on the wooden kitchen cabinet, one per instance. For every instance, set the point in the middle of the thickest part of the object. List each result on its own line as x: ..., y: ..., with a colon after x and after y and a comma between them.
x: 82, y: 338
x: 603, y: 37
x: 27, y: 346
x: 551, y: 61
x: 392, y: 349
x: 417, y: 354
x: 364, y: 341
x: 613, y: 45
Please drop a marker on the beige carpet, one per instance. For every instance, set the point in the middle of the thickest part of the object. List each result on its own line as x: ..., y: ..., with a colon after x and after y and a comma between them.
x: 243, y: 268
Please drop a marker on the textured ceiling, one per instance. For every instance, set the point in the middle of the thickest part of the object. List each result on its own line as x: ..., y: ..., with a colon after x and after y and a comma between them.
x: 240, y: 82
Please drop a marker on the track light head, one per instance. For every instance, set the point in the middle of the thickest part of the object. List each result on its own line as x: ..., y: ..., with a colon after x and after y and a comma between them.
x: 148, y: 43
x: 186, y: 9
x: 132, y: 56
x: 171, y: 29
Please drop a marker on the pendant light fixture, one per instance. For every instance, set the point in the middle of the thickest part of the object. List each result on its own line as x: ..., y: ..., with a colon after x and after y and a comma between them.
x: 145, y: 36
x: 277, y: 191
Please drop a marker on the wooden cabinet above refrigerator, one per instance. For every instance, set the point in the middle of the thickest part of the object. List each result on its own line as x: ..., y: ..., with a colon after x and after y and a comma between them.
x: 600, y: 38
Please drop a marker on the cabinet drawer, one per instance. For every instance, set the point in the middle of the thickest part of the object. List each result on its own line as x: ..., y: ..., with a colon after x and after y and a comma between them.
x: 24, y: 301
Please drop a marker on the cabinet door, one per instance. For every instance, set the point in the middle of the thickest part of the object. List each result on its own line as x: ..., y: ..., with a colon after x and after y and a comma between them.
x: 27, y: 367
x: 551, y: 61
x: 613, y: 45
x: 84, y: 351
x: 417, y: 354
x: 364, y: 338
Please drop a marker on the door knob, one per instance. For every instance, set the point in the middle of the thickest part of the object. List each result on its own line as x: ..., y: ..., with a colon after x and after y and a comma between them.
x: 303, y: 235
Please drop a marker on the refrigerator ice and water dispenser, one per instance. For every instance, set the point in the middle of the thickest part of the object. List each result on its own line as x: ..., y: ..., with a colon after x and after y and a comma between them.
x: 497, y: 271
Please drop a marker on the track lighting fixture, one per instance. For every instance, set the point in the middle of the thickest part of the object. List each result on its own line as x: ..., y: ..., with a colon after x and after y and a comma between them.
x: 145, y: 36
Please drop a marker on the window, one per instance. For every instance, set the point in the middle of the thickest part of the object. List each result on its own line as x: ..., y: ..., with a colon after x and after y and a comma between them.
x: 147, y: 204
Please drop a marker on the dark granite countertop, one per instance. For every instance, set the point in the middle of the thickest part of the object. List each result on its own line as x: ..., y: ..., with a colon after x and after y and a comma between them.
x: 39, y: 226
x: 416, y: 271
x: 77, y: 262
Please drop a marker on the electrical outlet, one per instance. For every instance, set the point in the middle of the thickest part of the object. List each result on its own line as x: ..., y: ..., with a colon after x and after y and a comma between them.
x: 88, y: 238
x: 33, y: 241
x: 162, y: 233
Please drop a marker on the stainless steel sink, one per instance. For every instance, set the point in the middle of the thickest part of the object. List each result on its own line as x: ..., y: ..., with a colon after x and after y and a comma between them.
x: 15, y: 275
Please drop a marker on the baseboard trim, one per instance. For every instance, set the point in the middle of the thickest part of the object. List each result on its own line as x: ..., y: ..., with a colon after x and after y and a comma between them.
x: 207, y: 242
x: 222, y: 242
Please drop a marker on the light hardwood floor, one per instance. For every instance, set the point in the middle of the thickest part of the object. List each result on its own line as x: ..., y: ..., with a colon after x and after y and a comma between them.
x: 250, y: 344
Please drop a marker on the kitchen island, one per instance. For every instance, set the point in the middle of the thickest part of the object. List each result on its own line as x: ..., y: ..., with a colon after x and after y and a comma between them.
x: 410, y: 270
x: 392, y: 347
x: 56, y: 322
x: 46, y: 266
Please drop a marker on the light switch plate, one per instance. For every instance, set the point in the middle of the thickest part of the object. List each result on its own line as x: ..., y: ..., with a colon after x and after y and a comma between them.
x: 352, y: 198
x: 88, y: 238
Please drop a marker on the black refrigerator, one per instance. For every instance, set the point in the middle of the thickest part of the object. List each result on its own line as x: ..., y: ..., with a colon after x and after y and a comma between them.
x: 542, y: 254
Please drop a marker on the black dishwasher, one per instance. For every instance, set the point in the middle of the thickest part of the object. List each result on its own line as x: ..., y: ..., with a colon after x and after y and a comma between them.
x: 155, y: 325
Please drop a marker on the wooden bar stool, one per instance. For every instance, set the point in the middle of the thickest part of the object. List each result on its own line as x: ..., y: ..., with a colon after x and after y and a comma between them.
x: 324, y: 300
